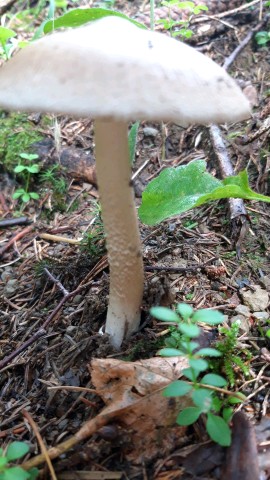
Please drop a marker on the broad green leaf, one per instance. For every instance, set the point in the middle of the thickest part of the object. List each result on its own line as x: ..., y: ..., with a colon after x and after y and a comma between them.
x: 20, y: 168
x: 191, y: 331
x: 34, y: 195
x: 16, y: 450
x: 210, y: 352
x: 33, y: 473
x: 214, y: 380
x: 18, y: 193
x: 33, y: 168
x: 170, y: 352
x: 80, y: 16
x: 179, y: 189
x: 188, y: 416
x: 184, y: 310
x: 187, y: 372
x: 164, y: 314
x: 211, y: 317
x: 198, y: 364
x: 218, y: 430
x: 202, y: 398
x: 175, y: 191
x: 16, y: 473
x: 177, y: 389
x: 132, y: 140
x: 5, y: 35
x: 25, y: 197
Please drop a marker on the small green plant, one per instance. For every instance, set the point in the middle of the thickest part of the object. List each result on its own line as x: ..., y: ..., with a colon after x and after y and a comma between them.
x: 14, y: 451
x: 58, y: 184
x: 262, y: 38
x: 206, y: 389
x: 6, y: 44
x: 172, y: 25
x: 230, y: 353
x: 27, y: 171
x: 93, y: 241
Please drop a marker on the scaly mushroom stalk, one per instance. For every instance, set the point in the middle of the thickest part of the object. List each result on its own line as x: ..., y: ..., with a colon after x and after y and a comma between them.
x: 121, y: 229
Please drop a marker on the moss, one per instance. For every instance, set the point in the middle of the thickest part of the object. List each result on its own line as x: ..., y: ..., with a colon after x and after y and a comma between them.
x: 16, y: 136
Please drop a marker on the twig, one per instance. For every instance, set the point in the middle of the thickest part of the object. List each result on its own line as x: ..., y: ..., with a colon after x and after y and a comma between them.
x: 11, y: 222
x: 57, y: 238
x: 43, y: 448
x: 14, y: 239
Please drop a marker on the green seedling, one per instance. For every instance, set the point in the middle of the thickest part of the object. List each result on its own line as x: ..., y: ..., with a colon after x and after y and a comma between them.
x: 26, y: 171
x: 172, y: 25
x: 204, y: 388
x: 262, y: 38
x: 50, y: 175
x: 14, y: 451
x: 6, y: 44
x: 231, y: 353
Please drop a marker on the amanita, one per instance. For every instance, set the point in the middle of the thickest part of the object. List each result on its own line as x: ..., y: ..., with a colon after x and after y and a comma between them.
x: 115, y: 72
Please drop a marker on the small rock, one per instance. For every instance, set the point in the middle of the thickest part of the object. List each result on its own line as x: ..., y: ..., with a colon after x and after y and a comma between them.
x: 11, y: 287
x: 256, y: 300
x: 261, y: 316
x: 71, y: 328
x: 243, y: 310
x: 244, y: 325
x: 78, y: 299
x: 266, y: 282
x: 150, y: 132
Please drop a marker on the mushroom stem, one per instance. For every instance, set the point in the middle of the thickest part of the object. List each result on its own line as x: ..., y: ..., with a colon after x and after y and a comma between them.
x: 121, y: 229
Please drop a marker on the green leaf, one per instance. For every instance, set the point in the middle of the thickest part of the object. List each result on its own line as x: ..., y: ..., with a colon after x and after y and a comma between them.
x: 164, y: 314
x: 189, y: 330
x: 210, y: 352
x: 29, y: 156
x: 175, y: 191
x: 1, y: 452
x: 16, y: 450
x: 235, y: 400
x: 80, y: 16
x: 33, y: 168
x: 3, y: 462
x: 184, y: 310
x: 202, y: 398
x: 211, y: 317
x: 177, y: 389
x: 179, y: 189
x: 20, y: 168
x: 132, y: 140
x: 188, y: 372
x: 170, y: 352
x: 188, y: 416
x: 25, y: 197
x: 16, y: 473
x: 6, y: 34
x: 214, y: 380
x: 198, y: 364
x: 227, y: 414
x: 218, y: 430
x: 33, y: 473
x: 34, y: 195
x: 18, y: 193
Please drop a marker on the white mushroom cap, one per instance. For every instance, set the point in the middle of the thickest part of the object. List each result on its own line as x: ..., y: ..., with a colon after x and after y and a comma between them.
x: 113, y: 69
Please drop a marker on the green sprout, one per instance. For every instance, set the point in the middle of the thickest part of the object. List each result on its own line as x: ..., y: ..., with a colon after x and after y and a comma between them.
x: 14, y: 451
x: 206, y: 390
x: 26, y: 171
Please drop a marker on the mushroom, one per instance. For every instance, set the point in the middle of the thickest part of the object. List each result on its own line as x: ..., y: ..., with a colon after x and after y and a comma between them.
x: 116, y: 72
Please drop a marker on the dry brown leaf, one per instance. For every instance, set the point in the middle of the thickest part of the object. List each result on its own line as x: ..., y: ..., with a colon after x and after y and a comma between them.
x: 150, y: 417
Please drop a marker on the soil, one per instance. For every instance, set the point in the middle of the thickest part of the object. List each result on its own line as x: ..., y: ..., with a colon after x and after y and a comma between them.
x: 204, y: 257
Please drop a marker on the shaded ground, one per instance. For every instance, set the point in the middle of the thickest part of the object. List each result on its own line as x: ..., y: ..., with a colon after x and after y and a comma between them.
x: 190, y: 259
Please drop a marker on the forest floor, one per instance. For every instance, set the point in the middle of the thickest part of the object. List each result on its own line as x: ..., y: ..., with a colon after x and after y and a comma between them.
x: 204, y: 257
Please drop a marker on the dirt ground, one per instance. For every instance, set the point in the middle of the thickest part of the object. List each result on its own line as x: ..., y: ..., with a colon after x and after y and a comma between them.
x: 204, y: 257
